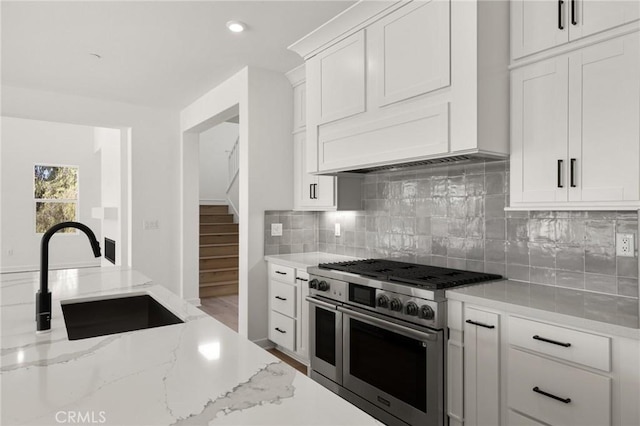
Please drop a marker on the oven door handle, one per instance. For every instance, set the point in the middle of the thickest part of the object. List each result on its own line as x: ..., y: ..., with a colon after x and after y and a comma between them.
x: 321, y: 303
x: 418, y: 334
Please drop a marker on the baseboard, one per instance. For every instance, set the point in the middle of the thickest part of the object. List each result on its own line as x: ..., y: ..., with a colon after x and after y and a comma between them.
x: 213, y: 202
x: 35, y: 268
x: 264, y: 343
x: 195, y: 301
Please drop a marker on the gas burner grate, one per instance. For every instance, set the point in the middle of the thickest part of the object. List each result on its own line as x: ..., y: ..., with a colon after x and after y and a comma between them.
x: 430, y: 277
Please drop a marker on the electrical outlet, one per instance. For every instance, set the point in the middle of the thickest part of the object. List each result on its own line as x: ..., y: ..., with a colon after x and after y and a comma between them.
x: 337, y: 230
x: 150, y: 224
x: 276, y: 229
x: 625, y: 245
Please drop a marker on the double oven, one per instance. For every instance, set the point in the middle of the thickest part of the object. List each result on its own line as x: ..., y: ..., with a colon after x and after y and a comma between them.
x: 380, y: 343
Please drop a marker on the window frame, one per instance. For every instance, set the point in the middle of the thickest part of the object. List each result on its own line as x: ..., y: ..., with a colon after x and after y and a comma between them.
x: 76, y: 201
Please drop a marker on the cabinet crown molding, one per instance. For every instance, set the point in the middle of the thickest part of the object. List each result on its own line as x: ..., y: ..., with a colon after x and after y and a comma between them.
x: 358, y: 16
x: 296, y: 76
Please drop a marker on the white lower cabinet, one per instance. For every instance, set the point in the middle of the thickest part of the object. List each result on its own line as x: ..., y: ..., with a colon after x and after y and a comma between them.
x: 288, y: 310
x: 511, y: 370
x: 481, y: 367
x: 556, y: 393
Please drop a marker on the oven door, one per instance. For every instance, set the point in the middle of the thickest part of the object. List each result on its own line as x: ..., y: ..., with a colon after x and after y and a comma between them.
x: 395, y: 367
x: 325, y: 339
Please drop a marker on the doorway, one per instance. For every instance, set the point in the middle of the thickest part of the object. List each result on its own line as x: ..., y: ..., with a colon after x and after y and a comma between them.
x: 218, y: 221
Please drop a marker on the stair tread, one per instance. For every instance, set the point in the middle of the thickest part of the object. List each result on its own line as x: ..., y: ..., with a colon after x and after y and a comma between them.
x: 218, y: 245
x: 219, y: 283
x: 225, y: 269
x: 209, y: 234
x: 219, y: 256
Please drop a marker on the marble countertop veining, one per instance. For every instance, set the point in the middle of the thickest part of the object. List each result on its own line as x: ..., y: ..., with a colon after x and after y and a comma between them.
x: 304, y: 260
x: 196, y: 373
x: 615, y: 315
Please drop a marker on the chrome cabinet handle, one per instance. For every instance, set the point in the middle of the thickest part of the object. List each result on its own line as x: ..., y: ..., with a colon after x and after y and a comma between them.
x: 550, y: 395
x: 554, y: 342
x: 574, y: 21
x: 573, y: 166
x: 479, y: 324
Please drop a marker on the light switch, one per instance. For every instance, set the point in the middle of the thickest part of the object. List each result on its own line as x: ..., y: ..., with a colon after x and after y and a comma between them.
x: 337, y: 230
x: 276, y: 229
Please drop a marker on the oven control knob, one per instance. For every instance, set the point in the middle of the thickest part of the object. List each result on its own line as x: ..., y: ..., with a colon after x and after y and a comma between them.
x: 323, y: 286
x: 382, y: 301
x: 426, y: 312
x: 313, y: 283
x: 395, y: 305
x: 411, y: 309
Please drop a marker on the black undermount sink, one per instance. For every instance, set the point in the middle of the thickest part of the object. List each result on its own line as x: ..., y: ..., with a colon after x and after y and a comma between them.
x: 117, y: 315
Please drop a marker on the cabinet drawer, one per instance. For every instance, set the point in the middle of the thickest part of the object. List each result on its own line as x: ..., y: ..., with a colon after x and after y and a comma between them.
x: 282, y: 273
x: 573, y: 396
x: 517, y: 419
x: 283, y: 298
x: 282, y: 330
x: 571, y: 345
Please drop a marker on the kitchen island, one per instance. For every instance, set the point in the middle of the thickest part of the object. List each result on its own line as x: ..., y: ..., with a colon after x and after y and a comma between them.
x: 195, y: 373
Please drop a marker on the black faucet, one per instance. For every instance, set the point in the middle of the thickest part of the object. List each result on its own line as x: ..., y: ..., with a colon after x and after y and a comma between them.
x: 43, y: 296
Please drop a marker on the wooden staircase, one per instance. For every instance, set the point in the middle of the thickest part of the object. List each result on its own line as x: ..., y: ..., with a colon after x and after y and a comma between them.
x: 218, y: 252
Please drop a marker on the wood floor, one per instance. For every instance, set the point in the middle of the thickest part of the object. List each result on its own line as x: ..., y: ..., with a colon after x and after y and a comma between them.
x: 222, y: 308
x: 225, y: 310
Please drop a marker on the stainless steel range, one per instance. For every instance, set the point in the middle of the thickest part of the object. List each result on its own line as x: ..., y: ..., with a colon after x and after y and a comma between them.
x: 377, y: 333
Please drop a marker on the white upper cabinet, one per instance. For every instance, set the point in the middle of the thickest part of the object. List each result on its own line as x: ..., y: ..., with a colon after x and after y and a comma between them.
x: 396, y: 82
x: 576, y: 129
x: 604, y: 121
x: 538, y: 25
x: 311, y: 192
x: 336, y: 80
x: 410, y: 52
x: 539, y: 103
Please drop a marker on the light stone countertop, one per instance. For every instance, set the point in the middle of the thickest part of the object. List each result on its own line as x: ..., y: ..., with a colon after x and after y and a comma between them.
x: 196, y: 373
x: 304, y: 260
x: 615, y: 315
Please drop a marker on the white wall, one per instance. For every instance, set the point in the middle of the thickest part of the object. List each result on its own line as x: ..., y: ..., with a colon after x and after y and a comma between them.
x: 215, y: 145
x: 263, y: 100
x: 26, y: 143
x: 107, y: 143
x: 153, y: 162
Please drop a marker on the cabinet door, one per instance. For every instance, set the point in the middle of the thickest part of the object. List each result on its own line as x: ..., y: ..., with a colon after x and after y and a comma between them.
x: 303, y: 181
x: 302, y: 332
x: 537, y: 25
x: 592, y: 16
x: 299, y: 107
x: 604, y: 132
x: 336, y: 81
x: 481, y: 367
x: 410, y: 51
x: 539, y: 108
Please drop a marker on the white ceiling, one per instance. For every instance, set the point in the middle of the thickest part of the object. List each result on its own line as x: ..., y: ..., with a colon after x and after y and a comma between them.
x: 157, y: 53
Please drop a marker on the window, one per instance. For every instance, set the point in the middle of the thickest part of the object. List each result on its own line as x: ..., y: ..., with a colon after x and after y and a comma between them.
x: 55, y: 196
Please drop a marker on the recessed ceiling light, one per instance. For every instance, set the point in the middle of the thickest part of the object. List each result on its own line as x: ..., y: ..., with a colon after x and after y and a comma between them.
x: 236, y: 26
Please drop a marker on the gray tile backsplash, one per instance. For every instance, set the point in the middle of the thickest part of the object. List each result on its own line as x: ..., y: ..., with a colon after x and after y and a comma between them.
x: 454, y: 216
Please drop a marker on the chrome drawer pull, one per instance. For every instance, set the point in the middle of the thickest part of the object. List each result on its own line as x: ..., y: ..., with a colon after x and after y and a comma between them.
x: 281, y: 298
x: 553, y: 342
x: 281, y: 273
x: 281, y: 331
x: 550, y: 395
x: 479, y: 324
